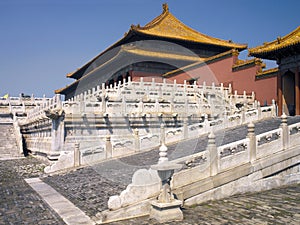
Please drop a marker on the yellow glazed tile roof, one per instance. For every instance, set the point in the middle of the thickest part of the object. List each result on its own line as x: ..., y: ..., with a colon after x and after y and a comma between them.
x: 290, y: 39
x: 168, y: 26
x: 156, y: 54
x: 266, y: 72
x: 129, y: 51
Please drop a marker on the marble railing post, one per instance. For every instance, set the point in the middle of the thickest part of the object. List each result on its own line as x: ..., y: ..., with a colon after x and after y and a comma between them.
x: 32, y: 99
x: 235, y: 96
x: 226, y: 94
x: 204, y: 86
x: 222, y: 88
x: 82, y: 103
x: 252, y: 95
x: 252, y: 142
x: 285, y: 131
x: 195, y: 86
x: 129, y: 80
x: 184, y: 87
x: 243, y: 115
x: 185, y: 127
x: 85, y: 94
x: 206, y: 123
x: 153, y: 82
x: 213, y: 154
x: 137, y: 144
x: 142, y: 82
x: 258, y: 110
x: 245, y: 96
x: 174, y: 86
x: 77, y: 155
x: 162, y: 134
x: 103, y: 102
x: 108, y: 147
x: 98, y: 89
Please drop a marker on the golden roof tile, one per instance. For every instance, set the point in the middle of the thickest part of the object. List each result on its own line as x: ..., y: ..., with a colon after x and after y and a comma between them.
x: 168, y: 26
x: 134, y: 51
x: 267, y: 72
x: 290, y: 39
x: 157, y: 54
x: 165, y: 26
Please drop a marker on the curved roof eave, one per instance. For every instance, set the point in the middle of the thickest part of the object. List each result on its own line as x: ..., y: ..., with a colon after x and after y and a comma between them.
x: 268, y: 49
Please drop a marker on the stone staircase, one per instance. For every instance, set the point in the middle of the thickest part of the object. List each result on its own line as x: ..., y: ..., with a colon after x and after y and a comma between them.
x: 82, y: 185
x: 8, y: 143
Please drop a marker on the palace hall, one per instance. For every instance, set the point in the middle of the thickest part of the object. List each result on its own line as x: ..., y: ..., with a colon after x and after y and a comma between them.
x: 286, y: 51
x: 166, y: 48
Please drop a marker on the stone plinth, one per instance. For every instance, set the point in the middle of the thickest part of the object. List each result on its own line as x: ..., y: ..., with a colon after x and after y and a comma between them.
x: 166, y: 212
x: 166, y: 208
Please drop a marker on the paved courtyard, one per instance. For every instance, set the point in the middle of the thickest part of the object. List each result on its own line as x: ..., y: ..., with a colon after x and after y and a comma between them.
x: 89, y: 189
x: 277, y: 206
x: 19, y: 204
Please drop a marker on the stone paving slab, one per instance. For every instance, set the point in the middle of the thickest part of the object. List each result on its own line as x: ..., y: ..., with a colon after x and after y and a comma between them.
x: 66, y: 210
x: 87, y: 188
x: 277, y: 206
x: 19, y: 203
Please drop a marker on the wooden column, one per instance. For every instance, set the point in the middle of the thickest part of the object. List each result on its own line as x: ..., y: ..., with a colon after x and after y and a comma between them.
x: 279, y: 93
x: 297, y: 91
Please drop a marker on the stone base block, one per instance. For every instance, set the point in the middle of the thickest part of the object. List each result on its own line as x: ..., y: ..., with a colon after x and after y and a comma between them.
x: 166, y: 212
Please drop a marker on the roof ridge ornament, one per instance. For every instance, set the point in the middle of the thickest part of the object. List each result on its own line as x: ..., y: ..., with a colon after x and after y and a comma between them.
x: 165, y: 7
x: 132, y: 26
x: 278, y: 40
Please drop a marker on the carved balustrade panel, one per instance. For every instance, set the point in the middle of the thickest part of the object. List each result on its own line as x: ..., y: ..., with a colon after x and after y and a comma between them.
x: 269, y: 143
x: 294, y: 134
x: 233, y: 154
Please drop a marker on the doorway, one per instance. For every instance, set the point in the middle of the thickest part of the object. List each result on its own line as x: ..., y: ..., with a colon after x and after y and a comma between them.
x: 288, y: 93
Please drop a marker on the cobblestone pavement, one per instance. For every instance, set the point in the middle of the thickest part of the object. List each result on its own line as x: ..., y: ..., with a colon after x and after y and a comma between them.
x: 82, y: 186
x: 19, y: 203
x: 277, y: 206
x: 86, y: 189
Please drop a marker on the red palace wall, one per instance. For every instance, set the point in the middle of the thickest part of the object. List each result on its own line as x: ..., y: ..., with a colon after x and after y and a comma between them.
x: 242, y: 78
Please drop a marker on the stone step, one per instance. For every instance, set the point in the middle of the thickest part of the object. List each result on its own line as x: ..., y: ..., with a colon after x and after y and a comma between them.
x: 7, y: 145
x: 11, y: 152
x: 8, y: 142
x: 8, y: 148
x: 8, y: 138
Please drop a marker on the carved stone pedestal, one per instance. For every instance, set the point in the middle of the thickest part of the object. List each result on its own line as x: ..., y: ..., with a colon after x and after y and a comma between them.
x: 166, y: 208
x: 166, y: 212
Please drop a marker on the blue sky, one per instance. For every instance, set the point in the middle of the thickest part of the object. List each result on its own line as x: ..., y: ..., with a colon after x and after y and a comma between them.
x: 43, y: 40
